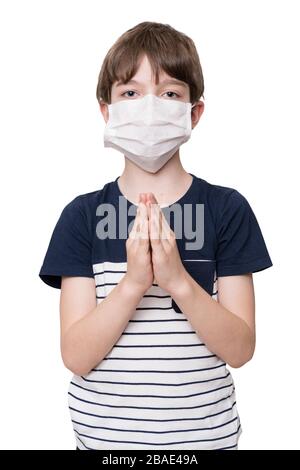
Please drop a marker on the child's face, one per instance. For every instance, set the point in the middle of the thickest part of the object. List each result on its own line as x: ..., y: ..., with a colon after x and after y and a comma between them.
x: 142, y: 83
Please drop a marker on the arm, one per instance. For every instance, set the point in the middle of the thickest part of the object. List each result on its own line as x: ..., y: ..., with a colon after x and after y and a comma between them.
x: 89, y: 331
x: 228, y: 326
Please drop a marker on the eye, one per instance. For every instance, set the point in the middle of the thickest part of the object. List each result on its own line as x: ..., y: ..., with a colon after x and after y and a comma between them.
x: 128, y: 91
x: 172, y: 92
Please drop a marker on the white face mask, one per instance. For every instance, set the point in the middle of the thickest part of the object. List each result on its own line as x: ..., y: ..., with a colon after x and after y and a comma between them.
x: 148, y: 130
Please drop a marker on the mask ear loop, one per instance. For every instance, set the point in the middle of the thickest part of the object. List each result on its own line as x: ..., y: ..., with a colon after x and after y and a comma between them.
x: 195, y: 103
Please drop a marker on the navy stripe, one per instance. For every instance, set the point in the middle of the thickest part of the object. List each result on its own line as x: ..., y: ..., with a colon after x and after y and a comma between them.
x: 108, y: 271
x: 157, y: 371
x: 159, y: 443
x: 159, y: 345
x: 107, y: 284
x: 151, y: 396
x: 146, y: 295
x: 163, y: 333
x: 116, y: 283
x: 158, y: 296
x: 152, y: 321
x: 156, y: 358
x: 155, y: 432
x: 220, y: 448
x: 150, y: 407
x: 150, y: 383
x: 152, y: 420
x: 154, y: 308
x: 229, y: 447
x: 88, y: 448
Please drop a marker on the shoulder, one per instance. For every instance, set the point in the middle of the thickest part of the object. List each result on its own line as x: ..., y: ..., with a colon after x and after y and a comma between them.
x: 219, y: 198
x: 85, y: 204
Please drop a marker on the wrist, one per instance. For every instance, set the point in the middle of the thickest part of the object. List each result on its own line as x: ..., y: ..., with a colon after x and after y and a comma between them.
x: 132, y: 288
x: 181, y: 287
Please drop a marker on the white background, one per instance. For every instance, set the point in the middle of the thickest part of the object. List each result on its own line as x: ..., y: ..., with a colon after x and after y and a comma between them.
x: 52, y: 150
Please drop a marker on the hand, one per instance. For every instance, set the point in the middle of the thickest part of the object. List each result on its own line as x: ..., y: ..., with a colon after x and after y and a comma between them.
x: 168, y: 269
x: 139, y: 265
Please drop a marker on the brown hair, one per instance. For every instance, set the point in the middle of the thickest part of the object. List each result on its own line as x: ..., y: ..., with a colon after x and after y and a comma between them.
x: 166, y: 48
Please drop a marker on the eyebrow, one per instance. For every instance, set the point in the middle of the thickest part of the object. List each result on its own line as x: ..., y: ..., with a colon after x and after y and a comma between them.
x: 167, y: 81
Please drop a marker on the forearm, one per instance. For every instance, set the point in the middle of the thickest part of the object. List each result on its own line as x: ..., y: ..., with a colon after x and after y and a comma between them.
x: 224, y: 333
x: 89, y: 340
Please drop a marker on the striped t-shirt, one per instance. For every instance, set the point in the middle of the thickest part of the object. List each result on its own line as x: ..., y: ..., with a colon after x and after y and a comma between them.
x: 159, y: 387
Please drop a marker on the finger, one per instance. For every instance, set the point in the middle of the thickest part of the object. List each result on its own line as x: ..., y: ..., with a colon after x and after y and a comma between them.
x: 163, y: 225
x: 151, y: 200
x: 143, y: 197
x: 136, y: 224
x: 142, y: 217
x: 155, y: 239
x: 166, y: 229
x: 148, y: 205
x: 154, y: 222
x: 164, y: 234
x: 144, y: 230
x: 151, y: 197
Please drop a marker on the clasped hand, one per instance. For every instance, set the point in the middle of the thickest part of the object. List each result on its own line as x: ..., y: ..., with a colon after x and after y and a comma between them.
x: 152, y: 252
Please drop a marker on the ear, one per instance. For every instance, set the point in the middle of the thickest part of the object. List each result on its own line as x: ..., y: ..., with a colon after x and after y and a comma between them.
x: 197, y: 111
x: 104, y: 110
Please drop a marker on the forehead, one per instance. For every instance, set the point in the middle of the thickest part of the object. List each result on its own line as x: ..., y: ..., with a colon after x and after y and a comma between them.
x: 144, y: 75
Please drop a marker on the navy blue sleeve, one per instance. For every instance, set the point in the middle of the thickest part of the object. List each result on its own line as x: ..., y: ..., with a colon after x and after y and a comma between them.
x: 241, y: 247
x: 70, y: 247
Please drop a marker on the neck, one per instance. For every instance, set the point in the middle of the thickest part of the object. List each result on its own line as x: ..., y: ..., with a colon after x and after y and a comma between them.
x: 168, y: 184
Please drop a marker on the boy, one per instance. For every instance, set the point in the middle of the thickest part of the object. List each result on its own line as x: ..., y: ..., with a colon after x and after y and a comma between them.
x: 155, y: 268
